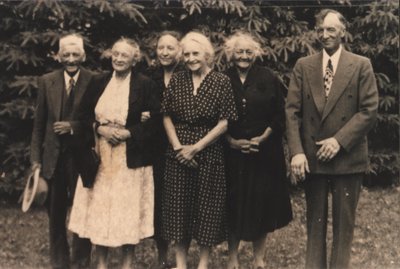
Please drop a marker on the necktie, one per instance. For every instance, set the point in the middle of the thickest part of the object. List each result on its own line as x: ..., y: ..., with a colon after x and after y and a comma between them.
x: 70, y: 86
x: 328, y: 78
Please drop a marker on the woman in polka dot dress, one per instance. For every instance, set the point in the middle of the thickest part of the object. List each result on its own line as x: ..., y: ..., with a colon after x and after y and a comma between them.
x: 197, y: 106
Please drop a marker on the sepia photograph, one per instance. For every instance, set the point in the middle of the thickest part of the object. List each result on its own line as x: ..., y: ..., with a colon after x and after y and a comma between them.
x: 208, y: 134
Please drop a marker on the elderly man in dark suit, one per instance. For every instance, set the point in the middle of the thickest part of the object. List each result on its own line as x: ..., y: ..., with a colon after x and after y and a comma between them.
x: 332, y: 104
x: 54, y: 129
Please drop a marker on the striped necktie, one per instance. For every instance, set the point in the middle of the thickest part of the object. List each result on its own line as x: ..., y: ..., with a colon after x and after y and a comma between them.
x: 71, y: 86
x: 328, y: 78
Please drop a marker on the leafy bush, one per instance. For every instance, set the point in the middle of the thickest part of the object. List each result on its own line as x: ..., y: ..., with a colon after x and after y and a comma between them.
x: 30, y: 30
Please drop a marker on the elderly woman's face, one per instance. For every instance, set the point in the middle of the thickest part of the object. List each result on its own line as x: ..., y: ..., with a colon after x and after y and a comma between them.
x: 122, y: 56
x: 243, y: 54
x: 194, y: 56
x: 168, y: 50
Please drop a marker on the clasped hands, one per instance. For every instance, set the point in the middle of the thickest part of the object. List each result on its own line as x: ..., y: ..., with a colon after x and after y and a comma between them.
x: 62, y: 127
x: 145, y: 116
x: 246, y: 145
x: 113, y: 135
x: 185, y: 155
x: 328, y: 150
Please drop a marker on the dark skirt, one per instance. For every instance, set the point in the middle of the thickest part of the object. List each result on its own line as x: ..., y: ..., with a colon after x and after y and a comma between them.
x: 258, y: 198
x: 158, y: 175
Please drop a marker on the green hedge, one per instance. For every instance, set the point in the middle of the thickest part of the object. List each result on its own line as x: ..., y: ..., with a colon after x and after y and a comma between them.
x: 29, y: 32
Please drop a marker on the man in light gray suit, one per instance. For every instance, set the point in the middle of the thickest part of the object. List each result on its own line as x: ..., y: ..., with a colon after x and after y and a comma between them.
x: 331, y: 105
x: 54, y: 130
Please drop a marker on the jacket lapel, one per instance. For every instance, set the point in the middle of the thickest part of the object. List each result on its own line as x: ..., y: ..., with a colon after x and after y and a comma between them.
x: 340, y: 80
x: 80, y: 86
x: 56, y: 92
x: 316, y: 82
x: 133, y: 87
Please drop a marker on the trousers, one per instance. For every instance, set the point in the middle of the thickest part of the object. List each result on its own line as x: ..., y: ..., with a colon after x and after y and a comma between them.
x: 61, y: 191
x: 345, y: 191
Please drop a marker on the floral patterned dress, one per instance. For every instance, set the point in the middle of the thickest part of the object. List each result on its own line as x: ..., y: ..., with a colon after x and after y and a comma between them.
x: 118, y: 210
x: 194, y: 200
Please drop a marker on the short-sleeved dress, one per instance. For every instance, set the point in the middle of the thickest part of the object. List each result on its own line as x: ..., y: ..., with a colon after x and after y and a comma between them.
x: 194, y: 199
x: 258, y: 198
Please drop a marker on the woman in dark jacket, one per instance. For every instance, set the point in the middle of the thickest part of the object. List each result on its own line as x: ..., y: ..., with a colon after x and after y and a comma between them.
x: 258, y: 200
x: 118, y: 210
x: 169, y: 54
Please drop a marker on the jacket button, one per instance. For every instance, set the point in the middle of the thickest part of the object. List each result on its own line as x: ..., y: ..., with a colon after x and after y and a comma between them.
x: 312, y: 119
x: 350, y: 96
x: 312, y: 137
x: 308, y: 96
x: 343, y: 118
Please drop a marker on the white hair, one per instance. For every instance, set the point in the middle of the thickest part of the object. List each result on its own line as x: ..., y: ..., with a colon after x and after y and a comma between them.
x: 204, y: 42
x: 137, y: 55
x: 71, y: 39
x: 231, y: 42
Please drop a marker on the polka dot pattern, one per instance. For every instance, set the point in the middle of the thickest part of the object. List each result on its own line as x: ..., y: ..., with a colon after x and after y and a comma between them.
x: 194, y: 200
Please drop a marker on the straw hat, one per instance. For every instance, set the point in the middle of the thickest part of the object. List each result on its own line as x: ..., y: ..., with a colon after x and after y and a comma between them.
x: 35, y: 190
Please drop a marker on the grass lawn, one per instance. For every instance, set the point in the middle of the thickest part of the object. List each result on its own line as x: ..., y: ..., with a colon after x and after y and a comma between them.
x: 376, y: 245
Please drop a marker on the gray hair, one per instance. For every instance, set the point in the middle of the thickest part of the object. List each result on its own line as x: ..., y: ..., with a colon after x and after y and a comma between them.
x: 203, y: 41
x: 137, y: 55
x: 320, y: 16
x: 71, y: 39
x: 230, y: 44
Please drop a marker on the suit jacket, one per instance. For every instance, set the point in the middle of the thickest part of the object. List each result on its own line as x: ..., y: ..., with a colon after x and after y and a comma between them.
x: 143, y: 96
x: 45, y: 144
x: 348, y: 114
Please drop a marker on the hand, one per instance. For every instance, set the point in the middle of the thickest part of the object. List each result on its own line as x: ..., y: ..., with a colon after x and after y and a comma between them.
x: 255, y: 143
x: 62, y: 127
x: 35, y: 165
x: 145, y: 116
x: 113, y: 135
x: 186, y: 154
x: 240, y: 144
x: 299, y: 166
x: 123, y: 134
x: 329, y: 148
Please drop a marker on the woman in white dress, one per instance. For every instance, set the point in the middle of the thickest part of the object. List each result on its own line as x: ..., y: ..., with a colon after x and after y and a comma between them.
x: 118, y: 210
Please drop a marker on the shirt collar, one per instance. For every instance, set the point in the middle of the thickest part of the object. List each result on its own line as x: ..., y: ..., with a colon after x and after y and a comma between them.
x: 334, y: 59
x: 67, y: 77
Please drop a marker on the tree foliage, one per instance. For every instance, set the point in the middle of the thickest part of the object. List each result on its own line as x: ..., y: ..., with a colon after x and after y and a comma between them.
x: 29, y: 32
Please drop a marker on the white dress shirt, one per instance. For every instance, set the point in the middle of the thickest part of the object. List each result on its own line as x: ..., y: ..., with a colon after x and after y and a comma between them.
x: 334, y: 59
x: 68, y: 77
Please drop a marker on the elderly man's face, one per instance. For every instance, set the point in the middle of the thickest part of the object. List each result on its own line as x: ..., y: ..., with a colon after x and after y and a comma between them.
x: 71, y: 56
x: 330, y: 33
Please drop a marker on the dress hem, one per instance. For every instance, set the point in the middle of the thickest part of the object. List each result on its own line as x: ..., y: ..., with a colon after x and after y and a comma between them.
x: 113, y: 244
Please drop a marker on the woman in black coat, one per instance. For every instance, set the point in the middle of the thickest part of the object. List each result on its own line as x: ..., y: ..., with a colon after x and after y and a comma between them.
x: 118, y: 209
x: 258, y: 200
